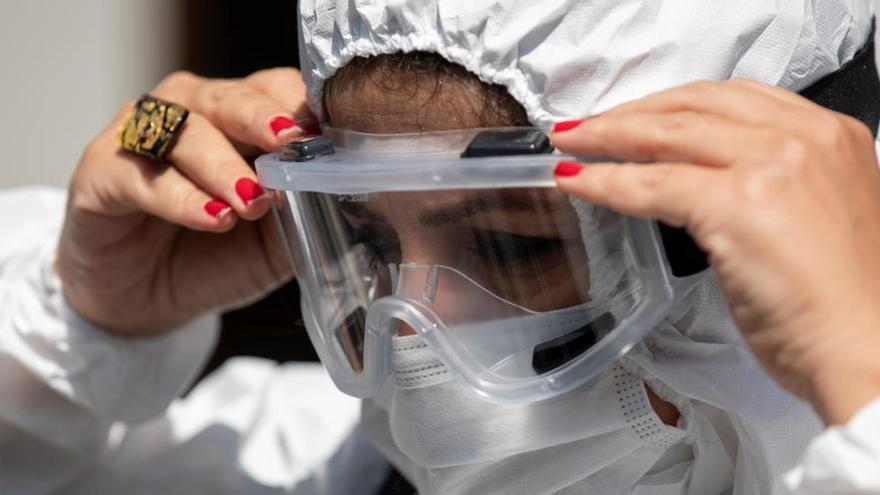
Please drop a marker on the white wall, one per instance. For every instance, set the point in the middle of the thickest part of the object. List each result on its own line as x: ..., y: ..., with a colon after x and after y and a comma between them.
x: 65, y: 67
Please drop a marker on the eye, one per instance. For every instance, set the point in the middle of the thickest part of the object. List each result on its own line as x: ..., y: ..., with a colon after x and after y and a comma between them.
x: 504, y: 248
x: 381, y: 245
x: 529, y: 271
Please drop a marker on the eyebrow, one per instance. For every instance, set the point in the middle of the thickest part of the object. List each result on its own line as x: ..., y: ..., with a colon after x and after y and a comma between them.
x: 445, y: 216
x: 469, y: 208
x: 360, y: 211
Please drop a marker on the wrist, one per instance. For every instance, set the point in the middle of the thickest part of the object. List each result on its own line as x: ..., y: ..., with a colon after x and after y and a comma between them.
x: 93, y: 302
x: 847, y: 381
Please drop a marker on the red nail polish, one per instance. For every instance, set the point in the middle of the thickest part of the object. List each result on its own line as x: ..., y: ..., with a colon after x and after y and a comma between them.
x: 215, y: 207
x: 567, y: 125
x: 248, y: 190
x: 567, y: 169
x: 279, y: 124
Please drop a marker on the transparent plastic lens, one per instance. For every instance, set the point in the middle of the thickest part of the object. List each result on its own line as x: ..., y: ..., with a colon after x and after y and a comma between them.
x: 519, y: 290
x: 511, y: 284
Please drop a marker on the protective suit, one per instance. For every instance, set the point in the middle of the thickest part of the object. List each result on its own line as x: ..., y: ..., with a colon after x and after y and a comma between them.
x: 84, y: 412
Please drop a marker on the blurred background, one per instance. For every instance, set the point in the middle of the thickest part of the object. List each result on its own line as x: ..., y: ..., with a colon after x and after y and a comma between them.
x: 68, y: 66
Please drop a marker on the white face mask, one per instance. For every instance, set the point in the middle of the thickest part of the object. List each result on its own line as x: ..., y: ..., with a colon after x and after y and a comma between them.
x: 604, y: 438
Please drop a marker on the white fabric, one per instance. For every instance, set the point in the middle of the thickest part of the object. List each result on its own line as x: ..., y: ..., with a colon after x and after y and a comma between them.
x: 83, y: 412
x: 448, y: 440
x: 252, y: 428
x: 603, y: 234
x: 698, y: 362
x: 571, y: 58
x: 843, y: 460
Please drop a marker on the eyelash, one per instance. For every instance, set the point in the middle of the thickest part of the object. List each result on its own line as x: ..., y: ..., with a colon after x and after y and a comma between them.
x: 377, y: 246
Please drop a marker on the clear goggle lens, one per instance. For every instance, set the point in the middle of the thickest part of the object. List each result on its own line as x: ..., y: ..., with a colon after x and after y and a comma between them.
x: 514, y: 283
x: 519, y: 290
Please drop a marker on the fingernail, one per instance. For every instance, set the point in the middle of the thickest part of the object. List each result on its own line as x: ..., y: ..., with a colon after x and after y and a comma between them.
x: 567, y: 169
x: 281, y: 124
x: 217, y: 207
x: 248, y: 190
x: 567, y: 125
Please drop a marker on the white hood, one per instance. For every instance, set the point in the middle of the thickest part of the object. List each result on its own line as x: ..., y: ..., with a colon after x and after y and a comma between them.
x: 571, y: 58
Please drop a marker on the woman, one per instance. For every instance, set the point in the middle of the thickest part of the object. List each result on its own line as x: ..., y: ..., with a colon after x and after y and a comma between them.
x: 808, y: 313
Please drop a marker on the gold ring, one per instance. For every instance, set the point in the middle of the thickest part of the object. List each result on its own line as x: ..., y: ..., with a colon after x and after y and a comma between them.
x: 151, y: 126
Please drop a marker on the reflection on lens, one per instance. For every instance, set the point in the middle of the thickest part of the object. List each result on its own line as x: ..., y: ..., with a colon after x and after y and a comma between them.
x: 350, y: 336
x: 524, y: 245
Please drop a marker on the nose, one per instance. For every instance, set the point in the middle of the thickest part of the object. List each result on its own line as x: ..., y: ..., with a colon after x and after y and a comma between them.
x: 422, y: 283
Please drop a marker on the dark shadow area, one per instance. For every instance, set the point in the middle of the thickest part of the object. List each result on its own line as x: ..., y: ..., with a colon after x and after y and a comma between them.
x: 233, y: 39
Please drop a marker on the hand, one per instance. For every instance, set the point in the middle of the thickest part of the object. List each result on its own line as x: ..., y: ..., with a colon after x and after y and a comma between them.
x: 783, y: 194
x: 147, y: 246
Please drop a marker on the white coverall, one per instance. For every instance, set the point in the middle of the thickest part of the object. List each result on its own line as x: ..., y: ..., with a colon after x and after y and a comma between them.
x: 83, y: 412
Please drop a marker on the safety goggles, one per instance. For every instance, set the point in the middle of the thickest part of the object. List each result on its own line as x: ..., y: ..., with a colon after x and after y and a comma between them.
x: 463, y: 238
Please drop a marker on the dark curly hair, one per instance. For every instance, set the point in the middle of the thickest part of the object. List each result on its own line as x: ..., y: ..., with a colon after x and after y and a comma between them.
x: 415, y: 91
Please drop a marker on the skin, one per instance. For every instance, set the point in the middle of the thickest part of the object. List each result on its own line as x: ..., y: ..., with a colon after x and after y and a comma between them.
x: 382, y: 110
x: 784, y: 195
x: 537, y: 259
x: 800, y: 287
x: 128, y: 215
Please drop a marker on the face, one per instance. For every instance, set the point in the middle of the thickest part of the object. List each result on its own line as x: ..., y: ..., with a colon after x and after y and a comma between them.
x: 533, y: 256
x: 523, y: 246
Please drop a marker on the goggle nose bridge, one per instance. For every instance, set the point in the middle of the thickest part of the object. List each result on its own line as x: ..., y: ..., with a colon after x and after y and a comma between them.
x: 384, y: 312
x: 397, y: 271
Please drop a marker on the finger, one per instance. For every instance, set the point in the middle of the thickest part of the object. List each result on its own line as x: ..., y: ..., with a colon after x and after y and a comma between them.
x: 247, y: 115
x: 285, y: 85
x: 751, y: 104
x: 239, y: 111
x: 173, y: 197
x: 671, y: 192
x: 205, y: 156
x: 668, y: 137
x: 127, y: 183
x: 162, y: 191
